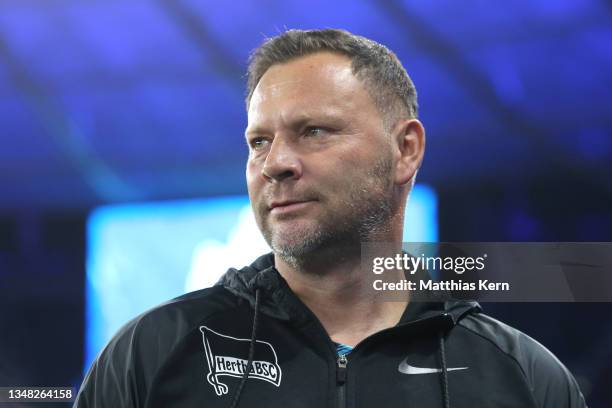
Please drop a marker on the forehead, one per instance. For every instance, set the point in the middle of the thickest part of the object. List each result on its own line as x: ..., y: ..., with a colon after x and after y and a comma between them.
x: 321, y: 81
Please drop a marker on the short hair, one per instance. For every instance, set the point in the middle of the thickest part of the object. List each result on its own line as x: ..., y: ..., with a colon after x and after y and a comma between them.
x: 375, y: 65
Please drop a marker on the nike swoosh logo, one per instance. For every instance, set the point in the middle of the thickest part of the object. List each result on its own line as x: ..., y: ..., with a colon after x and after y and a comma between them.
x: 406, y: 368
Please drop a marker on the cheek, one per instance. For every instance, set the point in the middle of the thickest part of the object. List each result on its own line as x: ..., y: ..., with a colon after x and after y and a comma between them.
x: 253, y: 178
x: 344, y: 165
x: 360, y: 169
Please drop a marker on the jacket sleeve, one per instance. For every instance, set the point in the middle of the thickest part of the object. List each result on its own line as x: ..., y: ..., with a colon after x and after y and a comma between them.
x: 552, y: 385
x: 125, y: 371
x: 111, y: 380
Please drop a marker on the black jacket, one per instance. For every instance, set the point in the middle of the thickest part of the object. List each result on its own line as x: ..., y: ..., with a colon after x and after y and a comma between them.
x: 194, y: 350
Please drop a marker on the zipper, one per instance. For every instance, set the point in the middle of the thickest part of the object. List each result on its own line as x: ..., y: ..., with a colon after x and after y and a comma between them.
x: 341, y: 369
x: 341, y: 360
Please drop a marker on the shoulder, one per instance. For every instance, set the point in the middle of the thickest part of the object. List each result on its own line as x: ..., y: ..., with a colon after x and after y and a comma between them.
x: 551, y: 383
x: 163, y: 326
x: 184, y: 311
x: 126, y: 367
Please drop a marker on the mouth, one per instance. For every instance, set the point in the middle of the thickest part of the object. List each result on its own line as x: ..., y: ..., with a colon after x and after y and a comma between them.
x: 288, y: 206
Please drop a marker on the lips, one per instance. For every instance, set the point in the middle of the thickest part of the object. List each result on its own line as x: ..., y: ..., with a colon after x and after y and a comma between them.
x: 288, y: 206
x: 276, y: 204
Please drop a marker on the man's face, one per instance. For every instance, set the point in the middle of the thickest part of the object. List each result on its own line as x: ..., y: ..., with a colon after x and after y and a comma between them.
x: 319, y: 171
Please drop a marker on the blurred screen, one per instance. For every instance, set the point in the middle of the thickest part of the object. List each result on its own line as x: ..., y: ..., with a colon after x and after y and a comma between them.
x: 140, y: 255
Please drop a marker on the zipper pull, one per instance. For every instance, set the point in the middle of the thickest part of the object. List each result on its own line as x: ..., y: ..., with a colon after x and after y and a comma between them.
x: 341, y: 369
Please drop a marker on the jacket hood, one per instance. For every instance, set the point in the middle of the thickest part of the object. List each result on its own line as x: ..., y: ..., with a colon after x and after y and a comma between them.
x: 279, y: 301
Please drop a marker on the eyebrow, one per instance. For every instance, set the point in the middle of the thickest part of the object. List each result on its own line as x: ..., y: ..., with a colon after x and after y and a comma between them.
x: 251, y: 132
x: 299, y: 122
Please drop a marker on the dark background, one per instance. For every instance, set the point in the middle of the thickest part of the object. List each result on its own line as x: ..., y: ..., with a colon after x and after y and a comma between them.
x: 113, y: 102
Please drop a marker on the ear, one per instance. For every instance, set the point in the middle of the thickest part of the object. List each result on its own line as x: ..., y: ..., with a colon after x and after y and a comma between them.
x: 409, y: 137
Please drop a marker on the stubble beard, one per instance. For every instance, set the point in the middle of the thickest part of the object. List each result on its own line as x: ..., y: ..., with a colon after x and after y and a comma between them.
x: 364, y: 214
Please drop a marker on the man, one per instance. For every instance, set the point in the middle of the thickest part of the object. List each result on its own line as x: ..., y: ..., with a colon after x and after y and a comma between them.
x: 334, y: 151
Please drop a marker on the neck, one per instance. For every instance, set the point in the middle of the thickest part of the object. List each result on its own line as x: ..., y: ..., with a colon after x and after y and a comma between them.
x: 338, y: 291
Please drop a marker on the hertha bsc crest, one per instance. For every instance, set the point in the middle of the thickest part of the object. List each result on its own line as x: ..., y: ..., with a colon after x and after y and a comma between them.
x: 224, y: 357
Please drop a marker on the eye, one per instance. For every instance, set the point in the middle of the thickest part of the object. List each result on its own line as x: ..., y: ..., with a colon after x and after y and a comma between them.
x: 257, y: 143
x: 315, y: 131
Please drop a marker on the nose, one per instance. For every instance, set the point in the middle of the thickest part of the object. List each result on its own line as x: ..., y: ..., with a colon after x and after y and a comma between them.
x: 282, y: 162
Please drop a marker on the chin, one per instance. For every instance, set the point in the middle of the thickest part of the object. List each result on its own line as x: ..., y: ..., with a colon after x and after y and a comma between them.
x: 296, y: 241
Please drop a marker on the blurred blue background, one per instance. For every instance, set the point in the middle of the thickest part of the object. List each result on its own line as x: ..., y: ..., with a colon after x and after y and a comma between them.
x: 110, y: 103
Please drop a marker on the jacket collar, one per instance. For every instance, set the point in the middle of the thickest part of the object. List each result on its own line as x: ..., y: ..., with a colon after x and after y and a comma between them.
x: 281, y: 303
